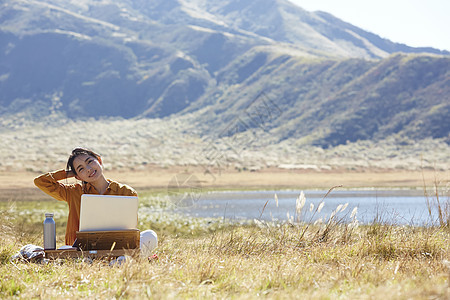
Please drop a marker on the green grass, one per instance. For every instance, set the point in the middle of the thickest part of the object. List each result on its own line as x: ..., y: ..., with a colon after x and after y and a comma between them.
x: 211, y: 258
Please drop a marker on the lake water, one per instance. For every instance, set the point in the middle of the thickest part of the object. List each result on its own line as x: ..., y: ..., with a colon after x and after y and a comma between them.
x: 387, y: 206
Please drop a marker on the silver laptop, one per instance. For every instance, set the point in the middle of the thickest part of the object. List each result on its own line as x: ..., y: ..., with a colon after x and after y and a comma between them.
x: 106, y: 212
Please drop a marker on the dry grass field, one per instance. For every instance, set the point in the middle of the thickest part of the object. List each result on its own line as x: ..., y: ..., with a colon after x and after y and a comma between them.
x: 208, y: 258
x: 211, y: 259
x: 140, y: 145
x: 156, y: 177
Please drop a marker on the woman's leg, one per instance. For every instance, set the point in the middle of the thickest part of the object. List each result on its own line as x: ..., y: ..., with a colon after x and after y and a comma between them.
x: 149, y: 241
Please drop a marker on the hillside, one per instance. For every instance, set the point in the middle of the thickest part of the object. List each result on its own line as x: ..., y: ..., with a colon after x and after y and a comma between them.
x: 336, y: 101
x: 327, y: 82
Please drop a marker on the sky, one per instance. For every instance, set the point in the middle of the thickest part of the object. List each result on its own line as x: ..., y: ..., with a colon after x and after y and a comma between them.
x: 416, y: 23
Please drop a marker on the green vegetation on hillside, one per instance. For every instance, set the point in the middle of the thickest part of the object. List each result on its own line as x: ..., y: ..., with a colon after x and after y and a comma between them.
x: 152, y: 60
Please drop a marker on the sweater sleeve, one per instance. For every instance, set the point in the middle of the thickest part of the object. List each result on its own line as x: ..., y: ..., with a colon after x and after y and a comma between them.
x: 49, y: 183
x: 120, y: 189
x: 126, y: 190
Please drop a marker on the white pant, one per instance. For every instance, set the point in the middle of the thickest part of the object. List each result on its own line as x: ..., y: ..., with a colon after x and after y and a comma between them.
x: 149, y: 241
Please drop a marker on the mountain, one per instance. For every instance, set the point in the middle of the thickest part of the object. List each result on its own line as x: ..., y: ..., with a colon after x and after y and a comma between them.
x: 335, y: 101
x: 327, y: 81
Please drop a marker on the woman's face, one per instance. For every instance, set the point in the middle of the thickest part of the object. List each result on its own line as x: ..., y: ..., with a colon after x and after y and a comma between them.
x: 87, y: 168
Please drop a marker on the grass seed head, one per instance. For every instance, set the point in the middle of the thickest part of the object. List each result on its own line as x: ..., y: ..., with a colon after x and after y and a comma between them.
x: 344, y: 207
x: 300, y: 203
x: 354, y: 212
x: 320, y: 206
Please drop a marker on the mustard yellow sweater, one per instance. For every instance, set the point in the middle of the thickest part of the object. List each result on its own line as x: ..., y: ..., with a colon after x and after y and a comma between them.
x: 71, y: 193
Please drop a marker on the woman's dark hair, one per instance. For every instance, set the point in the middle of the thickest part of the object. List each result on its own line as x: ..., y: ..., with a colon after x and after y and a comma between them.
x: 77, y: 152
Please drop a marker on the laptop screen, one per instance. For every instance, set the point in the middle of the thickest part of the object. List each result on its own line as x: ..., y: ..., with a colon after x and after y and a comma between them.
x: 107, y: 212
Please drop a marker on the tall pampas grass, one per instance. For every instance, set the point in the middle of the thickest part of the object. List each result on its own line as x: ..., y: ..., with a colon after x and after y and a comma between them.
x: 316, y: 211
x: 299, y: 204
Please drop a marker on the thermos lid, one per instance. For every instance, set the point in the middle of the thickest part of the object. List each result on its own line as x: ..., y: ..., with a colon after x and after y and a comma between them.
x: 48, y: 215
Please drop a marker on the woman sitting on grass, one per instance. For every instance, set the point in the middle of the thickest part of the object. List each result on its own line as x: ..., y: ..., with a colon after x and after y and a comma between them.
x: 86, y: 166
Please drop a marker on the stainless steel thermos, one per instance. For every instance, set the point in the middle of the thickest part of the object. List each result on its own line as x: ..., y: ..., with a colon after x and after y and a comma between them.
x: 49, y: 232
